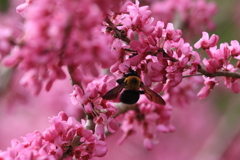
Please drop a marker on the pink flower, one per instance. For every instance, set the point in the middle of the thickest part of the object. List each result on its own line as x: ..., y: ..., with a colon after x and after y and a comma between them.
x: 183, y: 94
x: 209, y: 84
x: 101, y: 110
x: 174, y: 79
x: 76, y: 95
x: 193, y: 16
x: 62, y: 34
x: 148, y: 143
x: 59, y: 139
x: 205, y: 42
x: 235, y: 49
x: 148, y: 117
x: 51, y: 42
x: 204, y: 92
x: 127, y: 126
x: 138, y: 19
x: 233, y: 84
x: 172, y: 34
x: 235, y: 87
x: 112, y: 125
x: 212, y: 65
x: 20, y: 9
x: 100, y: 149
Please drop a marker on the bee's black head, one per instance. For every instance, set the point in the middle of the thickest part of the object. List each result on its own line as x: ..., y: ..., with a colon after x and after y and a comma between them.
x: 131, y: 72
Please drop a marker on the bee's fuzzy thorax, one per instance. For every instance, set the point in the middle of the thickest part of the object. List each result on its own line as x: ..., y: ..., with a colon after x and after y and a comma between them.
x: 132, y: 83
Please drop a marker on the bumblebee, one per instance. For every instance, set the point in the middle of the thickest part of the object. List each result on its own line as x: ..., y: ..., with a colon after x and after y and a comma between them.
x: 132, y: 84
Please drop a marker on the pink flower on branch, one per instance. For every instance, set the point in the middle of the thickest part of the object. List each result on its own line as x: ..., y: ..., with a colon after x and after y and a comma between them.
x: 152, y: 52
x: 87, y: 36
x: 152, y: 119
x: 63, y: 139
x: 55, y: 37
x: 219, y: 61
x: 192, y: 17
x: 209, y: 84
x: 235, y: 49
x: 205, y: 42
x: 102, y: 112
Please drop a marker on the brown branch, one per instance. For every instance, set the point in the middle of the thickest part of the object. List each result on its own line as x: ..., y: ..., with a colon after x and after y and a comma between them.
x: 68, y: 148
x: 203, y: 71
x: 167, y: 56
x: 73, y: 81
x: 67, y: 33
x: 90, y: 125
x: 218, y: 73
x: 121, y: 35
x: 191, y: 75
x: 118, y: 33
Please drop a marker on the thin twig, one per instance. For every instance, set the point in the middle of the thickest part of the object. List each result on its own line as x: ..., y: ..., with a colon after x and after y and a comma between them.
x: 118, y: 33
x: 90, y: 125
x: 191, y: 75
x: 218, y: 73
x: 73, y: 81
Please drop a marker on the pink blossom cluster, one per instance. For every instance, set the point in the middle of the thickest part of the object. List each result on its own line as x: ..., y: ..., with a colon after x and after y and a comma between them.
x: 219, y: 60
x: 85, y: 37
x: 101, y: 111
x: 152, y: 118
x: 57, y: 34
x: 183, y: 94
x: 159, y: 53
x: 192, y: 17
x: 161, y: 57
x: 64, y: 139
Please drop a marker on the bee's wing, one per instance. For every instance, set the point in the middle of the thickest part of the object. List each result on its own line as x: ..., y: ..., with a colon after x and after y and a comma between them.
x: 113, y: 93
x: 152, y: 96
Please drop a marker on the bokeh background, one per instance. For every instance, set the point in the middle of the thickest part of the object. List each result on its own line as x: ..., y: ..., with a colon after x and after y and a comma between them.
x: 207, y: 129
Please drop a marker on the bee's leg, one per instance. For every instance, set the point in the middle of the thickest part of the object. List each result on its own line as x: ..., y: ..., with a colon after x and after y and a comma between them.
x: 141, y: 92
x: 120, y: 81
